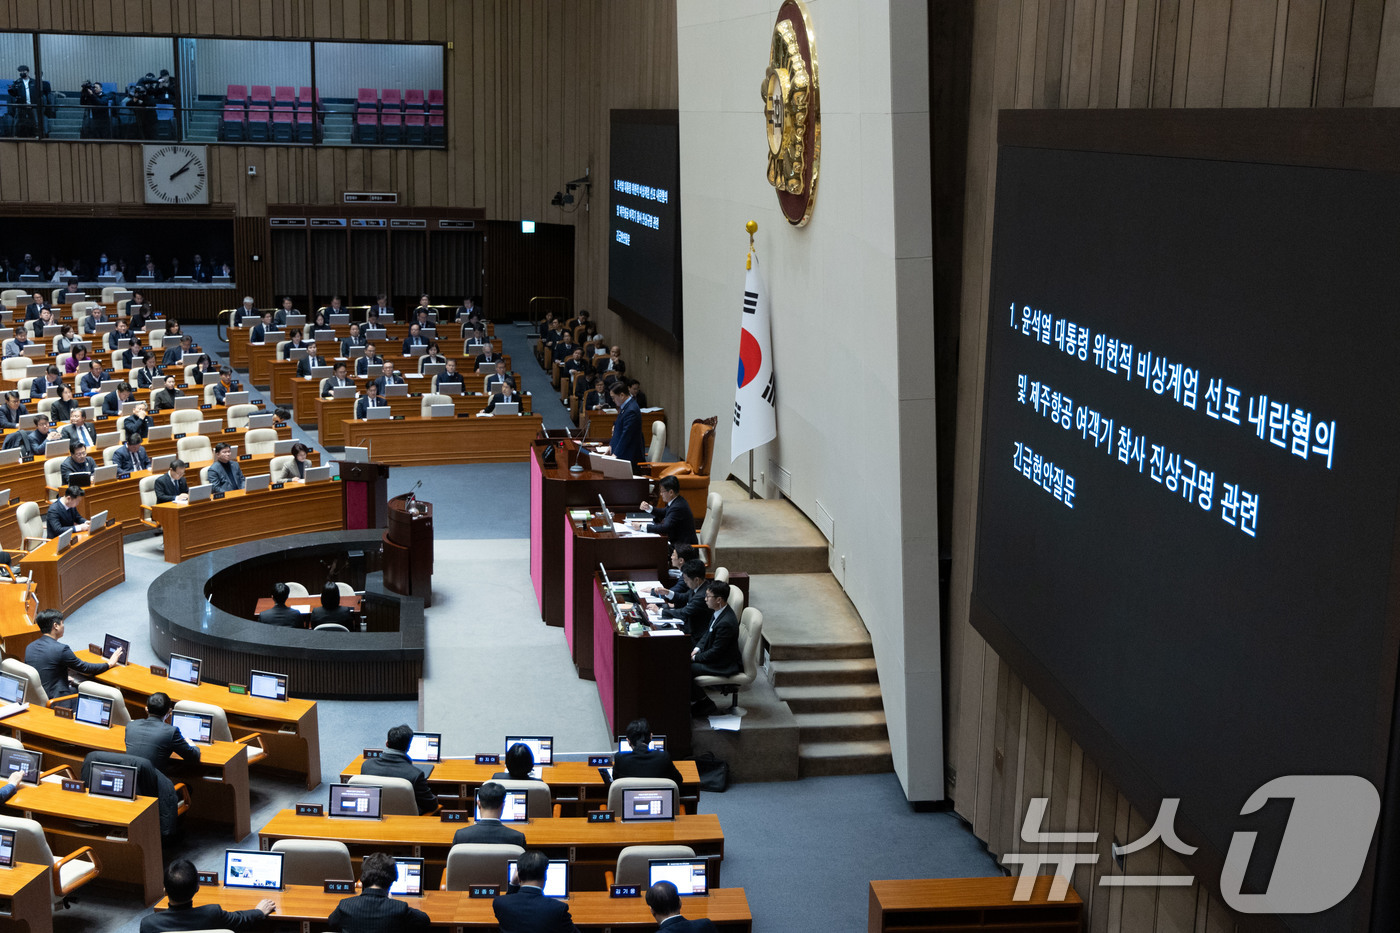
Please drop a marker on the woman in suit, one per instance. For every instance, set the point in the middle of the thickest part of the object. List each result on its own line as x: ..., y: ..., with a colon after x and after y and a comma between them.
x: 65, y: 341
x: 77, y: 361
x: 434, y: 355
x: 295, y: 470
x: 62, y: 406
x: 330, y: 609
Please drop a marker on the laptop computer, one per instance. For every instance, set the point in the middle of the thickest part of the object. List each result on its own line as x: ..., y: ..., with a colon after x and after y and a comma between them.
x: 381, y: 413
x: 336, y: 319
x: 108, y: 780
x: 267, y: 685
x: 201, y: 492
x: 257, y: 483
x: 21, y: 759
x: 343, y: 391
x: 251, y: 868
x: 283, y: 447
x: 64, y: 539
x: 648, y: 804
x: 396, y: 390
x: 7, y: 848
x: 433, y: 369
x: 657, y: 744
x: 294, y: 320
x: 264, y: 420
x: 408, y: 881
x: 98, y: 521
x: 506, y: 408
x: 197, y: 728
x: 515, y: 809
x: 425, y: 750
x: 184, y: 669
x: 355, y: 455
x: 211, y: 426
x: 354, y: 801
x: 322, y: 372
x: 95, y: 711
x: 691, y: 876
x: 542, y: 746
x: 160, y: 432
x: 442, y: 410
x: 111, y: 643
x: 449, y: 388
x: 12, y: 455
x: 556, y: 876
x: 296, y: 354
x: 12, y: 687
x: 170, y: 340
x: 317, y: 474
x: 236, y: 398
x: 162, y: 463
x: 58, y: 448
x: 187, y: 402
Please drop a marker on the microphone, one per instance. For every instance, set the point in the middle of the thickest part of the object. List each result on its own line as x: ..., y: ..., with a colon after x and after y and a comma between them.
x: 578, y: 451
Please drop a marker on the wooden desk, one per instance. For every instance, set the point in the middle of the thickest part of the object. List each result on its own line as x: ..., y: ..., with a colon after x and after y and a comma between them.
x: 575, y: 785
x: 26, y: 897
x: 25, y: 481
x: 417, y: 441
x: 93, y: 564
x: 242, y: 516
x: 584, y: 550
x: 310, y: 602
x: 130, y: 850
x: 300, y: 393
x: 331, y: 414
x: 224, y: 800
x: 287, y: 729
x: 17, y: 628
x: 592, y: 911
x: 968, y: 904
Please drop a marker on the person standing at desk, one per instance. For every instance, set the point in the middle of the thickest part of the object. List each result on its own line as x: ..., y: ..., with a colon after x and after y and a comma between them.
x: 626, y: 441
x: 717, y: 655
x: 674, y: 518
x: 394, y: 762
x: 224, y: 473
x: 155, y: 739
x: 131, y: 457
x: 181, y: 885
x: 665, y: 903
x: 171, y: 485
x: 330, y: 609
x: 166, y: 397
x: 488, y: 828
x: 279, y: 613
x: 52, y: 659
x: 642, y: 761
x: 524, y: 908
x: 373, y: 910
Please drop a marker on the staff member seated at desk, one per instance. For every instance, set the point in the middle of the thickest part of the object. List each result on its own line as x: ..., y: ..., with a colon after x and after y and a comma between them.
x: 674, y: 518
x: 368, y: 361
x: 177, y: 353
x: 311, y: 360
x: 63, y: 514
x: 138, y: 422
x: 415, y: 338
x: 247, y: 311
x: 224, y: 386
x: 354, y: 342
x: 505, y: 396
x: 11, y: 411
x: 373, y: 910
x: 694, y: 615
x: 33, y: 442
x: 678, y: 594
x: 279, y: 613
x: 338, y: 381
x: 39, y: 388
x: 113, y: 338
x: 97, y: 314
x: 370, y: 400
x: 155, y: 739
x: 330, y: 609
x: 294, y: 342
x: 52, y: 659
x: 171, y: 486
x: 281, y: 316
x: 92, y: 379
x: 665, y: 903
x: 225, y: 475
x: 261, y: 329
x: 388, y: 376
x: 166, y: 397
x: 450, y: 375
x: 520, y: 761
x: 718, y: 652
x: 499, y: 377
x: 524, y: 908
x: 488, y: 829
x: 76, y: 462
x: 393, y: 762
x: 131, y: 457
x: 181, y: 885
x: 112, y: 401
x: 597, y: 397
x: 295, y: 471
x: 641, y: 761
x: 148, y: 376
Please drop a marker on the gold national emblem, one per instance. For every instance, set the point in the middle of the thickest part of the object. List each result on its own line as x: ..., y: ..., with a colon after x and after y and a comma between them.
x: 791, y: 109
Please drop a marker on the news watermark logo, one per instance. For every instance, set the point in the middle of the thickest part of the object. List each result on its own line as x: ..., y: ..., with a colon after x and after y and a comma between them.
x: 1320, y: 857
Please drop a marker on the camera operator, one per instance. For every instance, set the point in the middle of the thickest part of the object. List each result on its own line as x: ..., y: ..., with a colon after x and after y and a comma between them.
x: 97, y: 122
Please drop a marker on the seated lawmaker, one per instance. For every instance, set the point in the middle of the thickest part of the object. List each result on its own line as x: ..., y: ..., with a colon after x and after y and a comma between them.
x: 499, y: 377
x: 76, y: 462
x: 394, y: 762
x: 112, y: 339
x: 12, y: 410
x: 354, y: 342
x: 63, y: 514
x: 225, y: 475
x: 148, y: 374
x: 39, y: 387
x: 97, y: 314
x: 175, y: 354
x: 92, y: 379
x: 388, y: 376
x: 77, y: 429
x: 165, y: 398
x: 673, y: 518
x: 78, y: 361
x: 330, y: 609
x: 131, y: 457
x: 339, y: 380
x: 373, y: 910
x: 18, y: 341
x: 450, y: 374
x: 112, y: 402
x: 33, y: 443
x: 224, y: 386
x: 295, y: 470
x: 263, y: 329
x: 506, y: 395
x: 369, y: 400
x: 694, y: 615
x: 309, y: 362
x: 181, y: 885
x: 294, y: 342
x: 281, y: 316
x: 717, y: 654
x: 487, y: 354
x: 171, y: 485
x: 368, y: 362
x: 641, y: 761
x: 488, y: 828
x: 279, y: 613
x: 154, y: 739
x: 415, y: 338
x: 138, y: 422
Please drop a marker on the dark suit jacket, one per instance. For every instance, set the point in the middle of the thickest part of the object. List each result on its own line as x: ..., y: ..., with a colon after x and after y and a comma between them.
x: 134, y: 425
x: 409, y: 342
x: 340, y: 614
x: 350, y: 343
x: 53, y: 660
x: 90, y: 384
x: 675, y: 521
x: 165, y: 398
x: 626, y: 442
x: 167, y: 489
x: 259, y: 333
x: 156, y: 741
x: 172, y: 355
x: 375, y: 912
x: 282, y: 615
x: 88, y: 436
x: 363, y: 405
x: 390, y: 381
x: 40, y: 386
x: 226, y: 476
x: 32, y: 310
x: 527, y: 910
x: 682, y: 925
x: 719, y: 646
x: 363, y: 363
x: 489, y: 832
x: 500, y: 398
x: 292, y: 345
x: 60, y: 519
x: 111, y: 404
x: 204, y: 917
x: 128, y: 462
x: 694, y: 615
x: 145, y: 378
x: 396, y: 764
x: 10, y: 419
x: 305, y: 363
x: 647, y: 764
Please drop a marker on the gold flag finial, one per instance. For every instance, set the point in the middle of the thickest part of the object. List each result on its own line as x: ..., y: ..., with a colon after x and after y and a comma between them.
x: 752, y: 228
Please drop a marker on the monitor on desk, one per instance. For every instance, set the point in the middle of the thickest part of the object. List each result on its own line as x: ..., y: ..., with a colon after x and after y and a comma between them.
x: 160, y: 432
x: 375, y: 334
x: 283, y: 447
x: 210, y: 426
x: 201, y: 492
x: 542, y: 746
x: 442, y: 410
x: 322, y: 372
x: 235, y: 398
x: 337, y: 319
x: 294, y: 320
x: 111, y: 643
x: 95, y: 711
x: 343, y: 391
x: 197, y: 728
x: 222, y: 280
x: 691, y: 876
x: 162, y: 463
x: 7, y: 848
x: 184, y: 669
x: 425, y: 747
x: 449, y: 388
x: 170, y: 340
x: 408, y: 881
x: 58, y: 448
x: 355, y: 455
x: 187, y: 402
x: 267, y: 685
x: 12, y: 455
x: 354, y: 801
x: 129, y: 407
x: 263, y: 420
x: 296, y: 354
x: 396, y: 390
x: 99, y: 521
x: 182, y: 279
x: 556, y: 877
x: 657, y: 744
x: 317, y: 474
x: 21, y: 759
x: 26, y: 422
x: 433, y: 369
x: 607, y: 513
x: 251, y: 868
x: 63, y: 540
x: 380, y: 413
x: 13, y: 687
x: 515, y: 808
x: 257, y: 482
x: 648, y: 804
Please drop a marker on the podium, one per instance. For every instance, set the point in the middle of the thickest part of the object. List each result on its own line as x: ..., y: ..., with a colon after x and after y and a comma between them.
x: 365, y: 489
x: 408, y: 548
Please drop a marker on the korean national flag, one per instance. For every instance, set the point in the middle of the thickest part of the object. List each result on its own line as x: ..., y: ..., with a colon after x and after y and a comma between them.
x: 755, y: 418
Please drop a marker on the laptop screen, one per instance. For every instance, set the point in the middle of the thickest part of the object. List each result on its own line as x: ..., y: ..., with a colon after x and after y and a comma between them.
x: 267, y: 685
x: 113, y: 781
x: 197, y: 728
x: 689, y: 875
x: 184, y: 669
x: 409, y: 880
x: 425, y: 746
x: 658, y: 744
x: 354, y: 801
x: 556, y: 877
x: 541, y: 745
x: 245, y: 868
x: 21, y: 759
x: 12, y: 688
x: 95, y: 711
x: 513, y: 810
x: 7, y: 848
x: 111, y: 643
x: 657, y: 803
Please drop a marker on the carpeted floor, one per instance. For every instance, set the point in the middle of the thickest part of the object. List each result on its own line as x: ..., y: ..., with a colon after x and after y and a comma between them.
x: 803, y: 851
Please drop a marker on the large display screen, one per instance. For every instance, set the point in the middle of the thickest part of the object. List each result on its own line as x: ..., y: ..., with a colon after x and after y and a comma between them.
x: 1187, y: 515
x: 644, y: 249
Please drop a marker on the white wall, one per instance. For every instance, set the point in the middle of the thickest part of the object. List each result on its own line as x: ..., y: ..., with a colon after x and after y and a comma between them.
x: 342, y: 68
x: 221, y: 62
x: 69, y: 60
x: 861, y: 450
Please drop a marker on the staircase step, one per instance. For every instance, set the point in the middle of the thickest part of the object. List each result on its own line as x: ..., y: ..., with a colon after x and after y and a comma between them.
x: 852, y: 726
x: 832, y: 698
x: 826, y: 758
x: 824, y: 671
x: 819, y: 652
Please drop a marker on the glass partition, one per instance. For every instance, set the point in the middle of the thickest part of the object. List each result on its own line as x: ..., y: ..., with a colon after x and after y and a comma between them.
x: 250, y: 91
x: 24, y: 111
x: 111, y: 87
x: 381, y: 94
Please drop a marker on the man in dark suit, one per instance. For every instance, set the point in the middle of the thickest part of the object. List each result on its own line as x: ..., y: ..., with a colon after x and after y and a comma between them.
x: 694, y: 615
x: 281, y: 316
x: 380, y: 310
x: 31, y: 310
x: 112, y: 401
x: 138, y: 422
x: 63, y: 514
x: 280, y: 613
x: 718, y: 652
x: 665, y: 903
x: 488, y: 354
x: 77, y: 430
x: 339, y: 380
x: 450, y: 374
x: 225, y: 475
x: 355, y: 341
x: 294, y: 342
x: 498, y: 377
x: 34, y: 442
x: 488, y: 829
x: 370, y: 400
x: 387, y: 377
x: 368, y: 362
x: 165, y: 398
x: 11, y: 411
x: 674, y: 518
x: 171, y: 485
x: 415, y: 338
x: 201, y: 271
x: 177, y: 353
x: 626, y: 442
x: 131, y: 457
x: 39, y: 388
x: 642, y: 761
x: 97, y: 314
x: 181, y: 885
x: 524, y: 908
x: 224, y: 386
x: 45, y: 318
x: 310, y: 361
x: 394, y: 762
x: 505, y: 395
x: 92, y: 379
x: 262, y: 329
x: 155, y: 739
x: 374, y: 911
x: 248, y: 311
x: 53, y: 659
x: 77, y: 461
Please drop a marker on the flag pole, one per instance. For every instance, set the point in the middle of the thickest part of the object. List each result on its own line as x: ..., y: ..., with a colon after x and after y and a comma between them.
x: 752, y: 228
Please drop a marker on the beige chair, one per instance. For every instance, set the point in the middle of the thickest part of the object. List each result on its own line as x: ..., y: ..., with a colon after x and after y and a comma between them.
x: 397, y: 798
x: 478, y: 863
x: 297, y: 589
x: 275, y: 467
x: 31, y: 525
x: 709, y: 528
x: 189, y: 374
x: 36, y: 693
x: 658, y: 442
x: 220, y: 732
x: 539, y: 799
x: 281, y: 348
x: 616, y: 788
x: 330, y: 627
x: 121, y: 716
x: 209, y: 397
x: 260, y: 441
x: 722, y: 574
x: 155, y: 339
x: 736, y: 601
x: 346, y: 590
x: 147, y: 488
x: 750, y: 643
x: 10, y: 297
x: 432, y: 399
x: 68, y: 873
x: 109, y: 454
x: 53, y: 475
x: 314, y: 861
x: 25, y: 386
x: 45, y: 404
x: 204, y: 474
x: 237, y: 415
x: 184, y: 420
x: 195, y: 448
x: 633, y: 863
x: 14, y: 368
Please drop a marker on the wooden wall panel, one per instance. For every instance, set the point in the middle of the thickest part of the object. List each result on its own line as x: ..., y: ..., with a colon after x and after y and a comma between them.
x: 1004, y: 748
